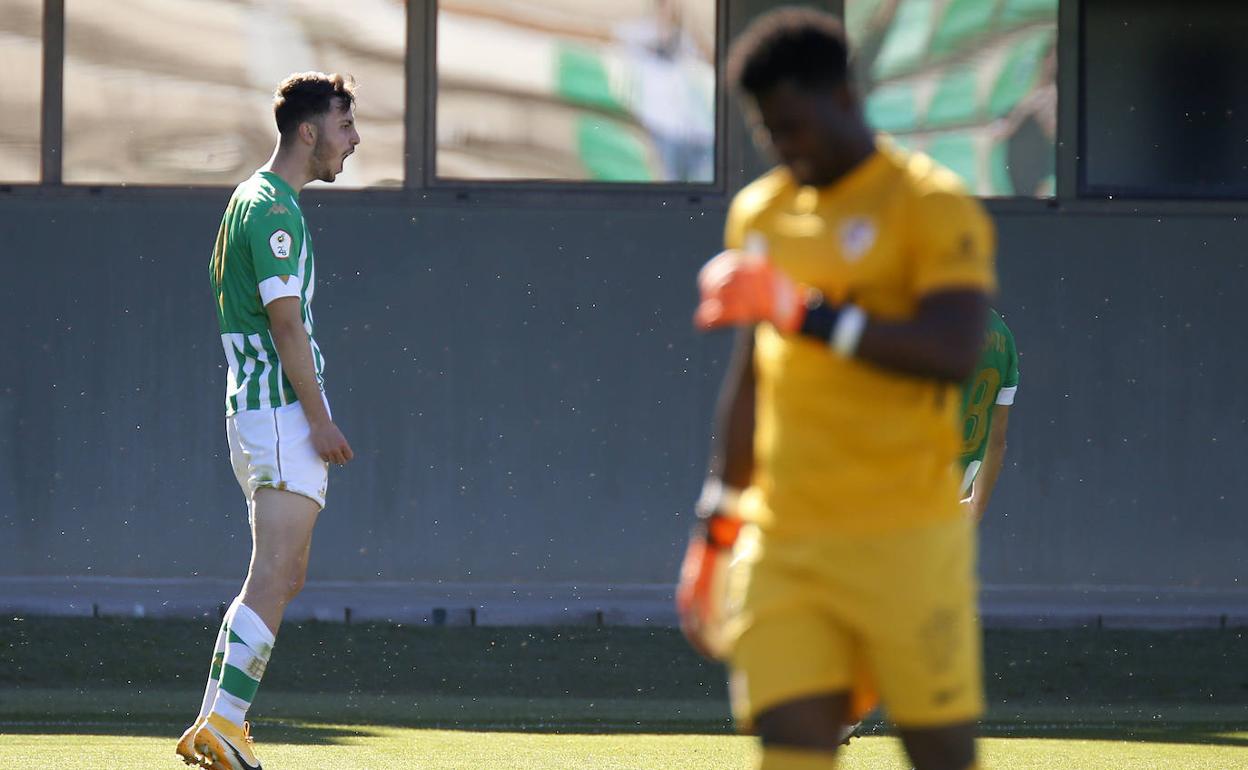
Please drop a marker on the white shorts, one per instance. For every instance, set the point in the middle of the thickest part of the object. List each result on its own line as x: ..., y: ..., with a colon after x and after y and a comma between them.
x: 273, y: 448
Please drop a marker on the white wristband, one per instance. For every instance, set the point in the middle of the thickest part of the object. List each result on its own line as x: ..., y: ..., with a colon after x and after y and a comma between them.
x: 717, y: 497
x: 848, y: 330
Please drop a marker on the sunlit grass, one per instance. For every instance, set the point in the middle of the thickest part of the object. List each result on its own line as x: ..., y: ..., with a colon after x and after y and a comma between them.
x: 381, y: 696
x: 348, y: 747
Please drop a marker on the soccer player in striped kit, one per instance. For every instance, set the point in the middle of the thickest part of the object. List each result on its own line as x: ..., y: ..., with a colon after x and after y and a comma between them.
x: 986, y: 401
x: 278, y: 424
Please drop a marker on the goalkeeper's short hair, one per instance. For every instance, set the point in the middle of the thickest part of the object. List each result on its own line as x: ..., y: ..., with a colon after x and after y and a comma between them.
x: 798, y: 45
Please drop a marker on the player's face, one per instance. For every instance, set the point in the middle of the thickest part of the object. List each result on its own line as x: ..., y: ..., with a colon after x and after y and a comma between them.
x: 336, y: 138
x: 804, y: 128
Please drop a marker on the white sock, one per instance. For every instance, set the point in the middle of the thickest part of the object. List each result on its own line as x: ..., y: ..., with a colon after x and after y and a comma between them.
x: 249, y: 644
x: 218, y: 661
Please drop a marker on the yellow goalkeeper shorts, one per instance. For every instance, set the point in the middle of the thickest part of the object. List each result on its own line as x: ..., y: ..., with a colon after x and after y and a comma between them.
x: 889, y: 613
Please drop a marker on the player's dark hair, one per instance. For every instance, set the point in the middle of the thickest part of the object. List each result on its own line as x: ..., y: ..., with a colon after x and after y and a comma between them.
x: 799, y: 45
x: 307, y: 95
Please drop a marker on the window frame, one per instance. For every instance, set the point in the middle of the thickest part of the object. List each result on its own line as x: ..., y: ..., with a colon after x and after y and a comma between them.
x: 736, y: 162
x: 420, y: 184
x: 51, y: 111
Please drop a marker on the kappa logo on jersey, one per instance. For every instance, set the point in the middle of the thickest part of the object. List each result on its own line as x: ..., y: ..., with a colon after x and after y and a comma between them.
x: 280, y: 243
x: 278, y: 208
x: 857, y: 238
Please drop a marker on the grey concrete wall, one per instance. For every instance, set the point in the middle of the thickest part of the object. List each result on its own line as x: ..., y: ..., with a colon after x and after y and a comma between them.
x: 1128, y: 442
x: 522, y: 389
x: 527, y: 401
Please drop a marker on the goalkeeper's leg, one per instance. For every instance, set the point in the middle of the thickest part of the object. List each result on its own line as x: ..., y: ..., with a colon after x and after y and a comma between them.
x: 802, y: 734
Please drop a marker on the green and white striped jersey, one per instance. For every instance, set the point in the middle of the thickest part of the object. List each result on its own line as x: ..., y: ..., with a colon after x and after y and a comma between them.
x: 262, y: 235
x: 994, y: 384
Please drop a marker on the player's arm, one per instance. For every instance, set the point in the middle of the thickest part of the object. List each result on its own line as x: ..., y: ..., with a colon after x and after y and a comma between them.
x: 699, y: 593
x: 994, y: 461
x: 951, y: 254
x: 942, y: 341
x: 994, y: 452
x: 295, y: 352
x: 951, y: 273
x: 732, y: 442
x: 276, y: 240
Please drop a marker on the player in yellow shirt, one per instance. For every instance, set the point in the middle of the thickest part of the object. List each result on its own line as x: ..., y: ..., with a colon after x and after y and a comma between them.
x: 861, y: 276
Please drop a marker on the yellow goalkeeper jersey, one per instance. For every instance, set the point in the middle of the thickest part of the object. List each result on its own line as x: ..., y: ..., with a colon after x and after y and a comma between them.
x: 841, y: 444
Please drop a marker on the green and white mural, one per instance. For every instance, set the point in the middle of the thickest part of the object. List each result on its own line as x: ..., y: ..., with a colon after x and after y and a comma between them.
x: 619, y: 91
x: 969, y: 82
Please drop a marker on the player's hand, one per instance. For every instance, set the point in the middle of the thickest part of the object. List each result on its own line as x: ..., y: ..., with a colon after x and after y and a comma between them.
x: 739, y: 289
x: 701, y: 592
x: 330, y: 444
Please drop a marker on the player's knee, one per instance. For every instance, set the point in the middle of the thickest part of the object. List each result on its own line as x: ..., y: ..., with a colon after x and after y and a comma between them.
x: 815, y: 723
x: 948, y: 761
x: 277, y: 582
x: 946, y: 748
x: 789, y: 736
x: 294, y: 582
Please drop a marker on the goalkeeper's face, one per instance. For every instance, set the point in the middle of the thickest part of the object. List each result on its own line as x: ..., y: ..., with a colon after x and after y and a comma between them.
x: 336, y: 138
x: 805, y: 128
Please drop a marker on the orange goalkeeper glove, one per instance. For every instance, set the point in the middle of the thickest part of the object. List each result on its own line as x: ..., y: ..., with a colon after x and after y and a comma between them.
x: 701, y: 593
x: 741, y: 288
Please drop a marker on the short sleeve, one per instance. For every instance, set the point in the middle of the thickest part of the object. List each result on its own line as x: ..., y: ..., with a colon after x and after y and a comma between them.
x: 1011, y: 373
x: 954, y: 244
x: 1010, y: 381
x: 279, y: 286
x: 275, y: 235
x: 1008, y: 367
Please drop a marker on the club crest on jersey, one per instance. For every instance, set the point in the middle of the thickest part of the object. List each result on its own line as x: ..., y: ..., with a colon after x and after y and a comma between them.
x: 280, y: 242
x: 857, y: 238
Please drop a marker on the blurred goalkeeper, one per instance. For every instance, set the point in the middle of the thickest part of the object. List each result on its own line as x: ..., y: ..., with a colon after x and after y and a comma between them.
x: 859, y: 277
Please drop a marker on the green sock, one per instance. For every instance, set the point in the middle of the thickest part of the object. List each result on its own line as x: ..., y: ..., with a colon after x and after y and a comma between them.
x: 214, y: 672
x: 247, y: 653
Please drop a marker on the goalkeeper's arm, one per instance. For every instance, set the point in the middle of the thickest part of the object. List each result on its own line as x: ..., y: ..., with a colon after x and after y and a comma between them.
x: 942, y: 341
x: 699, y: 598
x: 732, y: 443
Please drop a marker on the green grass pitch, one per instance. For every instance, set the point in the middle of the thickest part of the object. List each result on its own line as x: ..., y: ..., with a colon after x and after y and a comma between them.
x: 73, y: 695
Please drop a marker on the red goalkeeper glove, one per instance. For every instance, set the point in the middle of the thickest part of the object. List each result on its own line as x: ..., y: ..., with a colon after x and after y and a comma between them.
x: 701, y: 593
x: 743, y: 288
